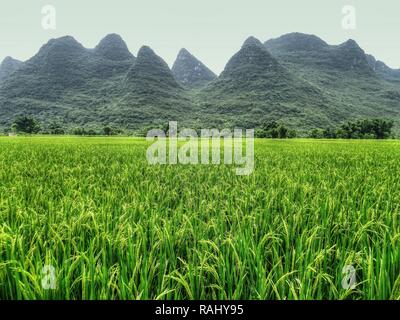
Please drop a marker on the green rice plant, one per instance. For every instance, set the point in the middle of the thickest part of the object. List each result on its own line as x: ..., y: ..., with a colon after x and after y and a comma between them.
x: 114, y: 227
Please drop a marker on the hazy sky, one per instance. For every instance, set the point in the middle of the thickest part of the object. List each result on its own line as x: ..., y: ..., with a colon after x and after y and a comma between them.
x: 212, y: 30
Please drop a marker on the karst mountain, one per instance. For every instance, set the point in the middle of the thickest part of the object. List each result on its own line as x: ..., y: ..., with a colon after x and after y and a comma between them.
x: 297, y: 78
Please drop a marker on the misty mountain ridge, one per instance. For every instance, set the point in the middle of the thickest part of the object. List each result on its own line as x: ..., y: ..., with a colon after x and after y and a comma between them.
x: 309, y: 50
x: 296, y: 78
x: 255, y: 87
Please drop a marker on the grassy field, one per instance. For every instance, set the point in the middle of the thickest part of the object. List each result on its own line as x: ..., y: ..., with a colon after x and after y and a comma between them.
x: 114, y: 227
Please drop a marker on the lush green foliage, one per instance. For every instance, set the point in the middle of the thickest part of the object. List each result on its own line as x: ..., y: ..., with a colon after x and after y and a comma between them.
x: 190, y: 72
x: 116, y: 228
x: 360, y: 129
x: 297, y: 79
x: 26, y: 124
x: 273, y: 129
x: 376, y: 128
x: 352, y: 86
x: 56, y: 127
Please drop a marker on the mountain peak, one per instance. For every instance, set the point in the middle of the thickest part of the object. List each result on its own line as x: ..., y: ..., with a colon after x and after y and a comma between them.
x: 113, y: 47
x: 146, y: 51
x: 253, y: 55
x: 350, y: 56
x: 113, y: 37
x: 147, y: 54
x: 254, y: 83
x: 150, y: 73
x: 251, y: 66
x: 191, y: 72
x: 66, y: 40
x: 183, y: 52
x: 296, y: 41
x: 352, y: 47
x: 252, y: 41
x: 9, y: 59
x: 8, y: 66
x: 61, y: 63
x: 60, y: 46
x: 350, y: 43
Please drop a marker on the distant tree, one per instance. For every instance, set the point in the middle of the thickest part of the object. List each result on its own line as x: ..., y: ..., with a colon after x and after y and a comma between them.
x: 350, y: 130
x: 329, y: 133
x: 108, y: 131
x: 292, y: 134
x: 273, y: 133
x: 273, y: 129
x: 270, y: 125
x: 382, y: 128
x: 91, y: 132
x: 341, y: 134
x: 260, y: 133
x: 56, y: 127
x: 316, y: 134
x: 366, y: 129
x: 78, y: 131
x: 282, y: 132
x: 26, y: 124
x: 111, y: 131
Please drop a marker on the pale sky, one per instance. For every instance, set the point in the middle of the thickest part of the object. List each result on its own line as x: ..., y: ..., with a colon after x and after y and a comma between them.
x: 212, y: 30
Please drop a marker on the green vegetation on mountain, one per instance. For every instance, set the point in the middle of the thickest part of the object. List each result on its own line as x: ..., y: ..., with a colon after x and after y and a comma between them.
x: 383, y: 71
x: 343, y: 73
x: 149, y: 93
x: 190, y: 72
x: 255, y: 87
x: 297, y: 79
x: 7, y: 67
x: 112, y: 47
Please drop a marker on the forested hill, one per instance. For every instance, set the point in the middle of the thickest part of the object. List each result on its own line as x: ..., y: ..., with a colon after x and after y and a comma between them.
x: 296, y: 79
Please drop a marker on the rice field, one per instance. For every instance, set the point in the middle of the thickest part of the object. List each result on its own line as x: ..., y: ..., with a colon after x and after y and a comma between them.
x: 88, y: 218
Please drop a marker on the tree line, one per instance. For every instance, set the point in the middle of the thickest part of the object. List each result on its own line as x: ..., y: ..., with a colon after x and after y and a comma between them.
x: 30, y: 125
x: 359, y: 129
